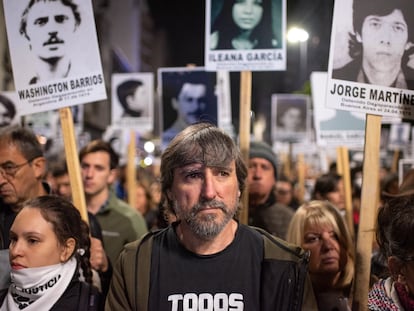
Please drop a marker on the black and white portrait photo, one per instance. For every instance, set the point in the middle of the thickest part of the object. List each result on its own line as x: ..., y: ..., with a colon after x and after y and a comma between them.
x: 380, y: 41
x: 187, y: 96
x: 133, y: 100
x: 8, y: 110
x: 289, y: 117
x: 242, y: 33
x: 54, y: 52
x: 242, y: 25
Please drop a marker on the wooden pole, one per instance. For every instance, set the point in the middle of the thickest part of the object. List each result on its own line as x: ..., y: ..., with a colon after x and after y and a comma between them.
x: 346, y: 178
x: 72, y: 161
x: 369, y: 205
x: 131, y: 170
x: 301, y: 167
x: 244, y: 132
x: 395, y: 159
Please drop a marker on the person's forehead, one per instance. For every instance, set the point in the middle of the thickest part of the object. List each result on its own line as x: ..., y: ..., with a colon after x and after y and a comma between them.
x: 101, y: 157
x: 204, y: 166
x: 193, y: 89
x: 9, y: 152
x: 396, y: 16
x: 33, y: 221
x: 48, y: 8
x: 259, y: 160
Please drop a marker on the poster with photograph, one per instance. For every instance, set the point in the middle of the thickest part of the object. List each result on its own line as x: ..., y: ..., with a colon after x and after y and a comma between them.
x: 244, y: 35
x: 9, y: 113
x: 370, y: 65
x: 404, y: 167
x: 399, y: 136
x: 290, y: 117
x: 47, y: 124
x: 54, y: 53
x: 187, y: 95
x: 334, y: 127
x: 133, y: 100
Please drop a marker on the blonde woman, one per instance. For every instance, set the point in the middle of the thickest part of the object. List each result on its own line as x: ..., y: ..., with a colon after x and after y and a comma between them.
x: 318, y: 226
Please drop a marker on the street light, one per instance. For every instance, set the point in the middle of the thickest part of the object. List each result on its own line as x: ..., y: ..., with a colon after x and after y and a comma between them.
x: 301, y: 36
x: 296, y: 34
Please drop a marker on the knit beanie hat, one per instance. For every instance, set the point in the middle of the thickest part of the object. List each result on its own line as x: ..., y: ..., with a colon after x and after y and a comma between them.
x: 260, y: 149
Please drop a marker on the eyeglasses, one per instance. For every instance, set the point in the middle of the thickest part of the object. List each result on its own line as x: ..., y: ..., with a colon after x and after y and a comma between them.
x: 10, y: 169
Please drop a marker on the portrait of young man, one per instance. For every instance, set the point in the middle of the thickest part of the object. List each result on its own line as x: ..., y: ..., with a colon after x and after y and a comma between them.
x: 380, y: 44
x: 290, y: 117
x: 132, y: 104
x: 188, y: 96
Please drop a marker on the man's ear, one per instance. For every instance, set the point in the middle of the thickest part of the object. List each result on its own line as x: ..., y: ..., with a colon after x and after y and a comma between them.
x: 113, y: 173
x: 39, y: 167
x: 358, y: 37
x: 67, y: 249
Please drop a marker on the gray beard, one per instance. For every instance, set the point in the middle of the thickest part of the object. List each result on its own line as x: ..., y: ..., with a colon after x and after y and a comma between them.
x: 206, y: 227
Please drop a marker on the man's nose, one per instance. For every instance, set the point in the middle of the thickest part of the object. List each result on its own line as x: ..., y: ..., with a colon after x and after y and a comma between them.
x: 3, y: 178
x: 209, y: 187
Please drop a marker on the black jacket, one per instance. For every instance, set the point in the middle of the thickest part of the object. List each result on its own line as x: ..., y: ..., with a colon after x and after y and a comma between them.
x: 285, y: 283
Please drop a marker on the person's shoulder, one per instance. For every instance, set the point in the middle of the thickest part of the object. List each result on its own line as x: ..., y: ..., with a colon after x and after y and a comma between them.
x: 347, y: 72
x: 145, y: 240
x: 277, y: 248
x: 120, y: 205
x: 282, y: 209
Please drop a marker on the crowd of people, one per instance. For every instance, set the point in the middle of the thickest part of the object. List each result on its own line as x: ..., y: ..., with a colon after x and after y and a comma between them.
x: 180, y: 246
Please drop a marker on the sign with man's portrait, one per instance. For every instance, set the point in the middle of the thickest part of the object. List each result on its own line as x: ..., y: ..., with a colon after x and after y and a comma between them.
x: 54, y: 53
x: 370, y: 66
x: 9, y: 114
x: 245, y: 35
x: 290, y: 118
x: 133, y: 100
x: 187, y: 95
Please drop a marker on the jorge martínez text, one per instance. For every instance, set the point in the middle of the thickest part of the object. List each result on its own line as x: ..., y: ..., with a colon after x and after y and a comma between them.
x: 61, y: 87
x: 398, y: 97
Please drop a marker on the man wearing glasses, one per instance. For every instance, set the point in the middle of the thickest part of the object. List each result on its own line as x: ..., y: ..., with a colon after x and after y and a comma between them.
x: 22, y: 168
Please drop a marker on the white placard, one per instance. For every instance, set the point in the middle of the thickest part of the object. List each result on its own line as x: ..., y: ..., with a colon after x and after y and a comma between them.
x: 54, y: 54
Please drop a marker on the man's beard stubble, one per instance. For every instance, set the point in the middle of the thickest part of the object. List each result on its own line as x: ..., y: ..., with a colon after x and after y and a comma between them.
x: 206, y: 227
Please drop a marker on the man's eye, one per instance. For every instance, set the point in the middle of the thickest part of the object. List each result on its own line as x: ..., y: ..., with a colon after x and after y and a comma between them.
x: 193, y: 175
x: 61, y: 18
x: 41, y: 21
x: 224, y: 173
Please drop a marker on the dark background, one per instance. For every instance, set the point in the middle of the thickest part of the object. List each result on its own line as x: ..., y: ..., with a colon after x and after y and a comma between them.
x: 183, y: 22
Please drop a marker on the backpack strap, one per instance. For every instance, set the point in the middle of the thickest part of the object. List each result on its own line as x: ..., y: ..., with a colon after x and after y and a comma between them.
x: 289, y: 252
x: 143, y: 270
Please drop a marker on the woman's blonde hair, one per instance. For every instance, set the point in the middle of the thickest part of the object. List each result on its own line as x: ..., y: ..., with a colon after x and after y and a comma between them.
x: 318, y: 213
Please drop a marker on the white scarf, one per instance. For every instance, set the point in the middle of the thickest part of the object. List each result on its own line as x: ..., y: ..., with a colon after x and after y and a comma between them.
x: 38, y: 288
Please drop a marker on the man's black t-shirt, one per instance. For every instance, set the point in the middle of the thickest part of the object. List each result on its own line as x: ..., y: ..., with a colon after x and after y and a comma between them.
x: 228, y: 280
